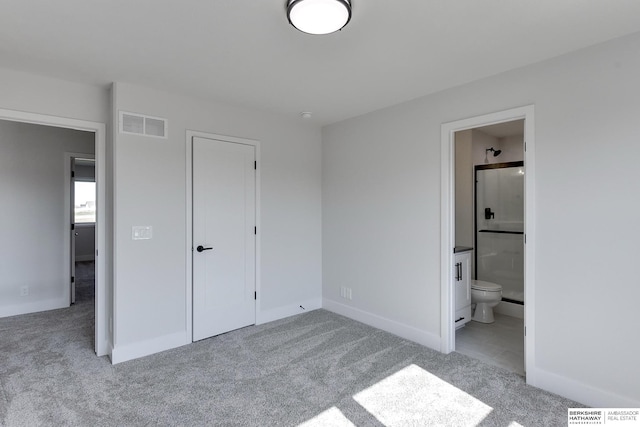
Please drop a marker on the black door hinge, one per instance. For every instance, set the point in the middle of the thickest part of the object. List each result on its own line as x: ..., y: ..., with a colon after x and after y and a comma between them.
x: 73, y: 226
x: 255, y: 295
x: 255, y: 165
x: 73, y: 279
x: 73, y: 174
x: 255, y: 230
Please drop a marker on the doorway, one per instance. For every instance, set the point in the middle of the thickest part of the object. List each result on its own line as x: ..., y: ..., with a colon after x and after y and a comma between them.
x: 489, y: 223
x: 81, y: 184
x: 448, y: 225
x: 102, y: 339
x: 223, y: 225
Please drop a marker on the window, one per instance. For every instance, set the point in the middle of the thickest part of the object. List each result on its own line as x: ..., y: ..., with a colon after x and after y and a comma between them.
x: 85, y: 202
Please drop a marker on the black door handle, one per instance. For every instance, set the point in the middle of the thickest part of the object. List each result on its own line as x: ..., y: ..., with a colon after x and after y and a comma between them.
x: 488, y: 214
x: 202, y: 248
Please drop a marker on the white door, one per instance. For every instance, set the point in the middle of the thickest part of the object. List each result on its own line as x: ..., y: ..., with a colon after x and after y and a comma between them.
x: 224, y: 252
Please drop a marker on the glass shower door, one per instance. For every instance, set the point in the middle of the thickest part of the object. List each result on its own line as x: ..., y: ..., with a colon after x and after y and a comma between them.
x: 500, y: 227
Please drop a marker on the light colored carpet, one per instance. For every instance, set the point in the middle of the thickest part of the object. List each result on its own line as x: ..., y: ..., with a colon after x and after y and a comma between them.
x: 314, y: 369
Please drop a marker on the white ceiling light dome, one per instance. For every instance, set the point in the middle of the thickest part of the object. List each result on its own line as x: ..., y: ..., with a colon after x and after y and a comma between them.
x: 319, y: 16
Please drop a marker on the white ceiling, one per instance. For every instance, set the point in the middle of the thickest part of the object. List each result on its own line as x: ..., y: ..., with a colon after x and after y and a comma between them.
x: 244, y: 52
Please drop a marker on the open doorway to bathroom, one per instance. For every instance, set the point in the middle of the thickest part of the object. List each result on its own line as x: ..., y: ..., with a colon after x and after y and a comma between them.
x: 489, y: 235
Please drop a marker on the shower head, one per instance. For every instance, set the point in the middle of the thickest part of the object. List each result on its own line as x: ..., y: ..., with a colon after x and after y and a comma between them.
x: 496, y: 153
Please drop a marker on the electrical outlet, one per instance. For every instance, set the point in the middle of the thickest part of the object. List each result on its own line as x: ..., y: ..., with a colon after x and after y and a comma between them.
x: 345, y: 292
x: 24, y: 291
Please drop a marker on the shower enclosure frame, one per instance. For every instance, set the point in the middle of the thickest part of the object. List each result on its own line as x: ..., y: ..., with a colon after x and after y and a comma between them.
x: 477, y: 168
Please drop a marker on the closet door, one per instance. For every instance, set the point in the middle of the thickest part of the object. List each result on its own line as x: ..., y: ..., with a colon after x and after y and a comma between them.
x: 224, y: 253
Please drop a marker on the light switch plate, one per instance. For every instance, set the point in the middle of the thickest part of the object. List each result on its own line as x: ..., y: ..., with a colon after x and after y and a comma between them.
x: 141, y: 232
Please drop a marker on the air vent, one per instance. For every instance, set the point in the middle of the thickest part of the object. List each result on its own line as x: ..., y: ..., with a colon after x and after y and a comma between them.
x: 137, y: 124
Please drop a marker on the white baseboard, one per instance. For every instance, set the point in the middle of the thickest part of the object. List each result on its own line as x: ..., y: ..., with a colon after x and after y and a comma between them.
x: 580, y: 392
x: 121, y: 354
x: 34, y: 307
x: 109, y: 353
x: 267, y: 316
x: 400, y: 329
x: 106, y: 349
x: 510, y: 309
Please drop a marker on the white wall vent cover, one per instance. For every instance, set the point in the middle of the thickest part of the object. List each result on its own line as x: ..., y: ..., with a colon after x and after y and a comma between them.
x: 137, y: 124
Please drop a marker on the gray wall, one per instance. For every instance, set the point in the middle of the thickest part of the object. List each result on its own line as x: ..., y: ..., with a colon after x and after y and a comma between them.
x: 464, y: 177
x: 381, y: 214
x: 43, y: 95
x: 512, y: 148
x: 32, y: 218
x: 150, y: 189
x: 291, y: 204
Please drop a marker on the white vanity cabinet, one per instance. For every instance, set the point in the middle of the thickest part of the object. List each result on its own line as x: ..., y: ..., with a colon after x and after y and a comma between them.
x: 462, y: 287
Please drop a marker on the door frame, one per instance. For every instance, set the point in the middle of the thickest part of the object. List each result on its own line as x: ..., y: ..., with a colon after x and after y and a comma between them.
x: 68, y: 213
x: 447, y: 225
x: 190, y: 134
x: 101, y: 339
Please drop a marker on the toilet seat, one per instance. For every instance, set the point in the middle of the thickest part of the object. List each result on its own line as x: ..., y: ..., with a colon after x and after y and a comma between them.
x: 481, y: 285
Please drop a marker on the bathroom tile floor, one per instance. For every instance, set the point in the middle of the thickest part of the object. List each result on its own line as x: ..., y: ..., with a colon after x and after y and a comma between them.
x: 500, y: 343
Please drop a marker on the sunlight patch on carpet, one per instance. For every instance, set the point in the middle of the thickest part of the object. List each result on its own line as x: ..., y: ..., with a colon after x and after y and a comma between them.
x: 330, y: 417
x: 413, y: 395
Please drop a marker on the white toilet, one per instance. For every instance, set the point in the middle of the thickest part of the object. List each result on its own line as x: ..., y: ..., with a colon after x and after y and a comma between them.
x: 485, y: 296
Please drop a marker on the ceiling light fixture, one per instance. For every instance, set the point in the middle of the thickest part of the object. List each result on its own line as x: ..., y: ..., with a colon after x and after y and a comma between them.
x: 319, y: 16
